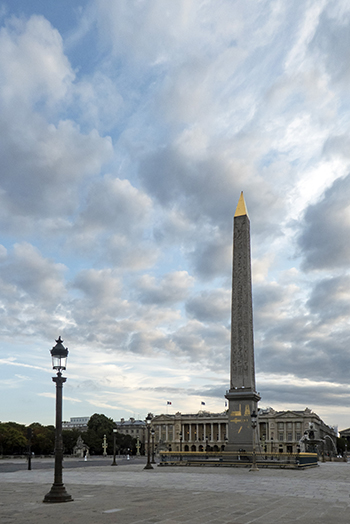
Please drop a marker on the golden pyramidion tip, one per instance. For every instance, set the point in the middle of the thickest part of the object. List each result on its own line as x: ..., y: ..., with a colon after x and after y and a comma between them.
x: 241, y: 208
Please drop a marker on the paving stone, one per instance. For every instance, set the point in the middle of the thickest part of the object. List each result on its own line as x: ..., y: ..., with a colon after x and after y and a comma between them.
x: 180, y: 496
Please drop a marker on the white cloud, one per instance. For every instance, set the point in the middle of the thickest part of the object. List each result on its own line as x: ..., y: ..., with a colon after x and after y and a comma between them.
x: 100, y: 286
x: 123, y: 243
x: 32, y: 63
x: 44, y: 158
x: 31, y: 274
x: 173, y: 288
x: 99, y: 101
x: 115, y: 204
x: 210, y: 306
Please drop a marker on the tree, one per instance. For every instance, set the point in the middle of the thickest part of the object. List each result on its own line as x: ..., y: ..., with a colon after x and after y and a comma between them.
x: 12, y: 438
x: 98, y: 426
x: 341, y: 445
x: 43, y: 439
x: 70, y: 437
x: 101, y: 424
x: 126, y: 443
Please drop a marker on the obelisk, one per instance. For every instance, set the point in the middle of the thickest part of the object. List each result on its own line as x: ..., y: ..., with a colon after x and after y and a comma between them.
x: 242, y: 397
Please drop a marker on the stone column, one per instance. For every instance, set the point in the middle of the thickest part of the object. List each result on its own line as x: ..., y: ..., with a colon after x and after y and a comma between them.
x: 242, y: 397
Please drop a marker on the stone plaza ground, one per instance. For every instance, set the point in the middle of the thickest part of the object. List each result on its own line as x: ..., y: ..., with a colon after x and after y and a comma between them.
x: 128, y: 494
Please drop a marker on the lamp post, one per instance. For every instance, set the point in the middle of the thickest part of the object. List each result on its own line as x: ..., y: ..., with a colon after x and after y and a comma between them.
x: 254, y: 418
x: 225, y: 441
x: 148, y: 423
x: 58, y: 492
x: 152, y: 434
x: 180, y: 437
x: 114, y: 447
x: 29, y: 437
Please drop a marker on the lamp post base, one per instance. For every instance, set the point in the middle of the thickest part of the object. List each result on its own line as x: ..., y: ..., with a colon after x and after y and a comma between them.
x: 57, y: 493
x: 148, y: 466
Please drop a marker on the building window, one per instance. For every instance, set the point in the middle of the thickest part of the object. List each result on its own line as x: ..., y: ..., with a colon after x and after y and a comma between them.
x: 280, y: 437
x: 289, y: 436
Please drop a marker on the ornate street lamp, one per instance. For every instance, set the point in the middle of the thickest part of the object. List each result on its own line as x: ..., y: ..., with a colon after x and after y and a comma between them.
x: 152, y: 434
x: 58, y: 492
x: 114, y: 447
x: 148, y: 423
x: 29, y: 437
x: 254, y: 418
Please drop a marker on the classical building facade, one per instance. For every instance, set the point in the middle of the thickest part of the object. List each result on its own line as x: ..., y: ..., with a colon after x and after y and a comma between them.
x: 76, y: 423
x: 279, y: 431
x: 183, y: 432
x: 134, y: 428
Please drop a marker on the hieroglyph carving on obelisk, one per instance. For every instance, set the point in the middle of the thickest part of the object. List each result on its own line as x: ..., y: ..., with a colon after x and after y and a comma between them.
x: 242, y: 396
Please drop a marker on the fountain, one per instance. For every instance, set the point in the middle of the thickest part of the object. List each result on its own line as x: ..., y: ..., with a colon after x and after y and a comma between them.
x: 308, y: 442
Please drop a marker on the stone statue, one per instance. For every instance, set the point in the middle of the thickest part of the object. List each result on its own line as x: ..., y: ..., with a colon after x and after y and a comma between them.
x: 80, y: 450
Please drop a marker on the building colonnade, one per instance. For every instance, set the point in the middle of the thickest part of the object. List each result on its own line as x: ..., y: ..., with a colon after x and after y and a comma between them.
x: 277, y: 431
x: 190, y: 432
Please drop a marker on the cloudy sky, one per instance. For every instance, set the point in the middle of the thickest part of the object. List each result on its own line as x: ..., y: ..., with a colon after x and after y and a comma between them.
x: 128, y: 130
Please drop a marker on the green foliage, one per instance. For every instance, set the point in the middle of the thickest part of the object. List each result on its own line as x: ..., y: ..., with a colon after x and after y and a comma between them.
x: 125, y: 443
x: 341, y: 441
x: 14, y: 441
x: 12, y: 438
x: 100, y: 425
x: 70, y: 437
x: 43, y: 439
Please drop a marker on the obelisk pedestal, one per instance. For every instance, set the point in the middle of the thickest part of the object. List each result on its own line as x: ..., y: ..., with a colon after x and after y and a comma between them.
x: 242, y: 396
